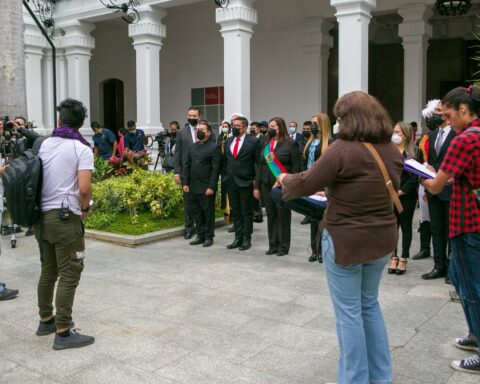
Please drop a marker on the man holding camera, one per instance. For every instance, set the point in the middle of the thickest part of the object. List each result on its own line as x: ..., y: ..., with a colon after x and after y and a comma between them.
x: 67, y: 161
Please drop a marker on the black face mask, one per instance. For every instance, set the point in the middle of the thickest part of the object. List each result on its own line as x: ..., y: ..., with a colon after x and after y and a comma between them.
x: 314, y: 129
x: 306, y: 134
x: 200, y: 135
x: 434, y: 122
x: 236, y: 132
x: 193, y: 122
x: 272, y: 133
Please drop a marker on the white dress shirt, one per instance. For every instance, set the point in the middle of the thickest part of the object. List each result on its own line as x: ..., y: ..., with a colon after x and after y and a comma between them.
x: 446, y: 131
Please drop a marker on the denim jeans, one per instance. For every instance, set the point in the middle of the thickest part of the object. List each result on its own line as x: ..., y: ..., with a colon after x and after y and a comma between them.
x: 465, y: 276
x: 361, y: 332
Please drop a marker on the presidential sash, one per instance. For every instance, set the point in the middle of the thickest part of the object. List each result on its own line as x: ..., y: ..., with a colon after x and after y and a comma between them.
x: 272, y: 160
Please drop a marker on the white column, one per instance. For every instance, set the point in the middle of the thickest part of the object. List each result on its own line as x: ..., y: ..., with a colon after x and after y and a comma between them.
x: 147, y: 37
x: 237, y: 21
x: 34, y: 46
x: 316, y: 44
x: 415, y: 32
x: 353, y: 17
x: 78, y: 45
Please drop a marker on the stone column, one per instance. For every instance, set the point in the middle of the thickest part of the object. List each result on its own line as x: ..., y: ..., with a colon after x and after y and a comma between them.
x: 147, y: 37
x: 236, y: 23
x: 415, y: 32
x: 353, y: 17
x: 316, y: 44
x: 34, y: 46
x: 78, y: 45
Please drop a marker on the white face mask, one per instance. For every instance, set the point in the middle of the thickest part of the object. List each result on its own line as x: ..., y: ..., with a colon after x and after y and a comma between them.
x: 336, y: 128
x: 291, y: 130
x: 397, y: 139
x: 224, y: 130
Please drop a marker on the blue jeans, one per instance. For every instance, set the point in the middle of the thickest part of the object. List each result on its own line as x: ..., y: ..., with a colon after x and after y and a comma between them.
x: 361, y: 332
x: 464, y: 273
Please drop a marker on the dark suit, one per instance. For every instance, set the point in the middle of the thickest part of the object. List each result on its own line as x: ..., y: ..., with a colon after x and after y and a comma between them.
x: 184, y: 142
x: 201, y: 173
x: 438, y: 205
x: 239, y: 179
x: 279, y: 216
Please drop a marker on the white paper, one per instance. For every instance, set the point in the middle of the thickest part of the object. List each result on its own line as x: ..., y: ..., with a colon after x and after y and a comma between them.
x: 420, y: 167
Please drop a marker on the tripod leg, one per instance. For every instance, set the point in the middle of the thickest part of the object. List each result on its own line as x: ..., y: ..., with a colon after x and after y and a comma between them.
x: 156, y: 163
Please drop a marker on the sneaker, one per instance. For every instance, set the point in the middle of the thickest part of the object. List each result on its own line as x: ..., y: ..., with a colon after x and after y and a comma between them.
x: 46, y: 329
x: 470, y: 365
x: 74, y: 340
x: 8, y: 294
x: 466, y: 343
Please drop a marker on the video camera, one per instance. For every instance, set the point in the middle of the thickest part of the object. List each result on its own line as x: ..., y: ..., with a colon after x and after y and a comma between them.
x: 160, y: 139
x: 8, y: 132
x: 8, y: 140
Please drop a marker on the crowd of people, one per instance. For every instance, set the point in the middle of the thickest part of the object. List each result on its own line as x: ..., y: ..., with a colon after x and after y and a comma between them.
x: 355, y: 237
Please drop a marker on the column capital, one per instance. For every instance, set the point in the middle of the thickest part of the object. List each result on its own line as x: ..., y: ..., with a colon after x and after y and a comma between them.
x: 353, y: 7
x: 239, y: 15
x: 77, y: 38
x: 415, y: 22
x: 150, y: 29
x: 33, y: 39
x: 316, y: 36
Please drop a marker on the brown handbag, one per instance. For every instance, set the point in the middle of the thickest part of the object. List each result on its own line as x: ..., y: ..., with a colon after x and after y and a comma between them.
x: 388, y: 181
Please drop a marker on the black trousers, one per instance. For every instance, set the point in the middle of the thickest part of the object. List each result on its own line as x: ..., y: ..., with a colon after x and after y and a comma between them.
x: 203, y: 209
x: 241, y: 210
x: 279, y: 220
x: 405, y: 222
x: 439, y: 213
x: 187, y: 207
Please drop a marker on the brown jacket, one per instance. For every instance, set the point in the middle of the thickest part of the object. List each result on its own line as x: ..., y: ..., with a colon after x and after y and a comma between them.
x: 359, y: 216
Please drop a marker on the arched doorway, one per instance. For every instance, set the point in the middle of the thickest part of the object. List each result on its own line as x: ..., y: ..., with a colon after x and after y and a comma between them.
x: 113, y: 109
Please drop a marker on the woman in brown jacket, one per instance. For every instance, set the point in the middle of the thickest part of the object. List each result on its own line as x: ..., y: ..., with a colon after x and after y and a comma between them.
x: 359, y: 231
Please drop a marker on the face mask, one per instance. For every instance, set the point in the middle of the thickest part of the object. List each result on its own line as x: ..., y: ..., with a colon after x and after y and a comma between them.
x: 193, y: 122
x: 397, y: 139
x: 291, y: 130
x: 434, y: 122
x: 224, y: 130
x: 272, y: 133
x: 306, y: 134
x: 314, y: 129
x: 236, y: 132
x: 336, y: 128
x: 200, y: 135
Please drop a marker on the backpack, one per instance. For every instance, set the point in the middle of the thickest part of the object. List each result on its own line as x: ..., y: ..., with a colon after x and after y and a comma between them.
x: 22, y: 183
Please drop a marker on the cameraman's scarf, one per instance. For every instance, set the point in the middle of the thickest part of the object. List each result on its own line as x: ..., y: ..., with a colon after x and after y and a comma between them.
x: 69, y: 133
x: 271, y: 158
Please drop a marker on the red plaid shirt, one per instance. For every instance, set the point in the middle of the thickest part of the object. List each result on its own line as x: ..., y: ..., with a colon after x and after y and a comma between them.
x: 462, y: 161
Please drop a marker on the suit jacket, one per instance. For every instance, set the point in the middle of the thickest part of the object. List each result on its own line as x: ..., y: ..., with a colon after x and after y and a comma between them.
x: 408, y: 183
x: 436, y: 160
x: 298, y: 137
x: 182, y: 148
x: 287, y: 153
x: 202, y: 168
x: 241, y: 171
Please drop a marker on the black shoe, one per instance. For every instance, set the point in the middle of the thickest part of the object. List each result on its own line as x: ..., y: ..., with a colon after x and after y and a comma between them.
x: 208, y: 243
x: 236, y: 243
x: 282, y: 253
x: 46, y: 329
x: 305, y: 221
x: 313, y: 258
x: 320, y: 259
x: 74, y: 340
x: 231, y: 229
x: 8, y: 294
x: 258, y: 219
x: 29, y: 231
x: 423, y: 254
x: 198, y: 240
x: 188, y: 234
x: 245, y: 245
x: 466, y: 343
x: 271, y: 251
x: 470, y: 365
x: 434, y: 274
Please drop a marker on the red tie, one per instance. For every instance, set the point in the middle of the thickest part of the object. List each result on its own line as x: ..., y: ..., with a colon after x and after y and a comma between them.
x: 235, y: 148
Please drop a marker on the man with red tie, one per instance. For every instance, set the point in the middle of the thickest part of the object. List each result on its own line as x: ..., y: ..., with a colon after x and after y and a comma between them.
x: 242, y: 153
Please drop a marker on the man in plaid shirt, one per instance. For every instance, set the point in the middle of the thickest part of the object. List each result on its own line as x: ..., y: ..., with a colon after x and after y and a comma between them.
x: 462, y: 165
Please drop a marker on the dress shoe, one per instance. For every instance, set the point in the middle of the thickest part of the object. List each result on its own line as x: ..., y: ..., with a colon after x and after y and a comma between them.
x: 246, y: 245
x: 271, y: 251
x: 188, y: 234
x: 198, y: 240
x: 231, y: 229
x: 236, y: 243
x: 434, y: 274
x: 402, y: 266
x: 423, y: 254
x: 282, y: 253
x: 313, y: 258
x: 208, y: 243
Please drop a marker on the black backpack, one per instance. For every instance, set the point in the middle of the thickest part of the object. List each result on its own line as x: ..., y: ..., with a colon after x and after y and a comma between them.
x: 22, y: 184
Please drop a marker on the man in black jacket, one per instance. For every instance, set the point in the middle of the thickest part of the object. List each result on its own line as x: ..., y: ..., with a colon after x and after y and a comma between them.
x: 186, y: 137
x: 439, y: 205
x: 241, y: 156
x: 200, y: 180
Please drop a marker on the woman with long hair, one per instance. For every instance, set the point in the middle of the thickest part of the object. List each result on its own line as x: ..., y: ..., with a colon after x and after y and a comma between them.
x: 317, y: 145
x: 403, y: 138
x: 279, y: 153
x: 359, y: 230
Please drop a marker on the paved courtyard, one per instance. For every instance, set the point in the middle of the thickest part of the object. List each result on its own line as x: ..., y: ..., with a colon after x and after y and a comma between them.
x: 171, y: 313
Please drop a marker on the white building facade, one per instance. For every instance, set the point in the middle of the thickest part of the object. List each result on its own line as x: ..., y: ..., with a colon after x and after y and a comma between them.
x: 262, y: 58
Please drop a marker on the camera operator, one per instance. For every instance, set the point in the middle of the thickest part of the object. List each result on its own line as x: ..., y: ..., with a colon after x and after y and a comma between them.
x: 5, y: 293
